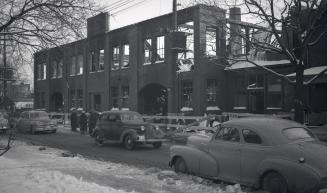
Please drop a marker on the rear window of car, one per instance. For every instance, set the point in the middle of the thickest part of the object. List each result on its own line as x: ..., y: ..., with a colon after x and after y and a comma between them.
x: 297, y: 133
x: 39, y: 115
x: 131, y: 117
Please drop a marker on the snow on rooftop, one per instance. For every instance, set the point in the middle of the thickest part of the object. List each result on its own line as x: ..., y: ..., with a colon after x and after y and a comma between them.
x: 245, y: 64
x: 213, y: 108
x: 28, y: 169
x: 311, y: 71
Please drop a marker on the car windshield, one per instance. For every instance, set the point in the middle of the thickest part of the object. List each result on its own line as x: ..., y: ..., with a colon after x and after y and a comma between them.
x: 297, y: 133
x: 131, y: 117
x: 39, y: 114
x: 56, y: 116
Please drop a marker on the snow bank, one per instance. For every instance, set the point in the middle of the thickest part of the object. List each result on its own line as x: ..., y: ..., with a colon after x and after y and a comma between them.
x: 29, y: 169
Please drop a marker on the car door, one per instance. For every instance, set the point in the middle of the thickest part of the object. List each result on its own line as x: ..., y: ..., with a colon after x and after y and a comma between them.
x: 106, y: 125
x: 253, y: 152
x: 116, y: 127
x: 225, y: 147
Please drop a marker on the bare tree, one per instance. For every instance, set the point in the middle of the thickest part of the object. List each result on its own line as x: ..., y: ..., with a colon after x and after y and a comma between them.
x: 28, y: 26
x: 32, y: 25
x: 302, y: 22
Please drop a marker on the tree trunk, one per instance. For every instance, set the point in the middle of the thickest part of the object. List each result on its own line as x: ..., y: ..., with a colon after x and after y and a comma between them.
x: 299, y: 102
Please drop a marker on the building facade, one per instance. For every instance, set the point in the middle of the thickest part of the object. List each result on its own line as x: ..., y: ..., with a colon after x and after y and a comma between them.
x: 140, y: 67
x: 133, y: 67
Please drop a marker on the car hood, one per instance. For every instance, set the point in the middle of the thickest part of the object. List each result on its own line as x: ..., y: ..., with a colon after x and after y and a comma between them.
x: 150, y: 130
x: 315, y: 155
x: 199, y: 141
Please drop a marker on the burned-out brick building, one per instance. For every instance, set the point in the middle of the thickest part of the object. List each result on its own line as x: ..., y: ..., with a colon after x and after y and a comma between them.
x: 143, y: 68
x: 131, y: 67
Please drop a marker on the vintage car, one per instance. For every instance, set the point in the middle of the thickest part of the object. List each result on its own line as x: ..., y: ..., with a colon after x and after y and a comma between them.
x: 58, y: 118
x: 273, y: 154
x: 35, y: 121
x: 4, y: 126
x: 126, y: 127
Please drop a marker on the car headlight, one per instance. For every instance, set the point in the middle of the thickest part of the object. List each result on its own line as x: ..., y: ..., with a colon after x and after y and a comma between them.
x: 157, y: 127
x: 142, y: 128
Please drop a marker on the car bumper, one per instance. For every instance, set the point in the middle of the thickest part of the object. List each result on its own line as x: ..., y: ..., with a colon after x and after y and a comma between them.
x: 143, y: 139
x: 45, y: 128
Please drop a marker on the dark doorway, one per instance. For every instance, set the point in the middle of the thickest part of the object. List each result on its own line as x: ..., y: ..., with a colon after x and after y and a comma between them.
x: 57, y: 102
x: 256, y: 102
x: 153, y: 100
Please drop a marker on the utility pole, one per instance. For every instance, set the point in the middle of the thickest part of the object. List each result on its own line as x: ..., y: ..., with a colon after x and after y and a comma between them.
x: 175, y: 15
x: 4, y: 67
x: 6, y: 73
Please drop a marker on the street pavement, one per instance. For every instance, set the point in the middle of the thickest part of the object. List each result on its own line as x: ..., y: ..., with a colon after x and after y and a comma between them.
x: 142, y: 156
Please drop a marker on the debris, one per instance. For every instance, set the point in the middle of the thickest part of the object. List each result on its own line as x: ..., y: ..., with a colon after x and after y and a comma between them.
x: 168, y: 174
x: 151, y: 171
x: 68, y: 154
x: 42, y: 148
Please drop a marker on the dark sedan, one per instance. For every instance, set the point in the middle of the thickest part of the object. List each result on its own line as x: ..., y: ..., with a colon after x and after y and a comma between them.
x: 126, y: 127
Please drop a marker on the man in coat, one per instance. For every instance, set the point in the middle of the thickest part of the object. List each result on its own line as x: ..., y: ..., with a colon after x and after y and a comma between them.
x: 73, y: 120
x: 83, y: 122
x: 92, y: 121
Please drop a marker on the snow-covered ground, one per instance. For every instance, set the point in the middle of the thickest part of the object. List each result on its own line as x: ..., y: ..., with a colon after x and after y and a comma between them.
x: 29, y: 169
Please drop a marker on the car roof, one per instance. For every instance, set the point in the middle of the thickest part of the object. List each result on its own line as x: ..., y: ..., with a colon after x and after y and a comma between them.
x: 35, y: 111
x: 119, y: 112
x: 269, y: 128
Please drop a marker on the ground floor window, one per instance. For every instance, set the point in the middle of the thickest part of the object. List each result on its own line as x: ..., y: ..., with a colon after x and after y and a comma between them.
x: 114, y: 97
x: 211, y: 91
x: 125, y: 96
x: 187, y: 92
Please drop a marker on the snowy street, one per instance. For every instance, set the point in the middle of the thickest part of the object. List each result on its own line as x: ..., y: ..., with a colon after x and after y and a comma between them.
x: 30, y: 168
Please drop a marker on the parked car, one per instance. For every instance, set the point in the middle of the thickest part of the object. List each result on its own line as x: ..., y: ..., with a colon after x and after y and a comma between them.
x: 35, y: 121
x: 276, y: 155
x: 3, y: 123
x: 58, y: 118
x: 126, y: 127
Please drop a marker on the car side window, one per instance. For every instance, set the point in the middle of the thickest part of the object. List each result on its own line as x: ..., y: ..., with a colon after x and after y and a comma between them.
x: 251, y: 137
x: 112, y: 117
x: 228, y: 134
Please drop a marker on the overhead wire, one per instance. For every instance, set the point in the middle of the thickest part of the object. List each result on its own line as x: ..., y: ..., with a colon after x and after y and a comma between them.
x: 120, y: 4
x: 135, y: 4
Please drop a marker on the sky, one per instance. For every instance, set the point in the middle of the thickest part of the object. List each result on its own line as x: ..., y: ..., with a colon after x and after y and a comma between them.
x: 126, y: 12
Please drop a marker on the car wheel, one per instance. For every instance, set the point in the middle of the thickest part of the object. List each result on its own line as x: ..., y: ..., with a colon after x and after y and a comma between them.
x: 98, y: 138
x: 274, y: 183
x: 129, y: 142
x: 180, y: 166
x: 157, y: 144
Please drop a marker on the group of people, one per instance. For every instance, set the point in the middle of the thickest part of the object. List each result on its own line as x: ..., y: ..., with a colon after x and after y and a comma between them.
x: 79, y: 119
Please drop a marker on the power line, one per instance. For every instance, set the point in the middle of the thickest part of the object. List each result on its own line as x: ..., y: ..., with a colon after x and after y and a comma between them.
x: 130, y: 6
x: 121, y: 4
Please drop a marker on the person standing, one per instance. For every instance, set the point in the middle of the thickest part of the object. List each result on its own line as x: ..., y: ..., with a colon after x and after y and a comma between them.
x: 73, y: 120
x: 83, y: 122
x: 92, y: 121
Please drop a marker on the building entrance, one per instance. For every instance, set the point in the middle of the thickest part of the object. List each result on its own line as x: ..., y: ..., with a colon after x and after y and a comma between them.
x: 153, y: 100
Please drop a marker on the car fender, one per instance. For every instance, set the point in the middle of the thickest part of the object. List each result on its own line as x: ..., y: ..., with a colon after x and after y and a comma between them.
x: 127, y: 132
x: 299, y: 176
x: 193, y: 157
